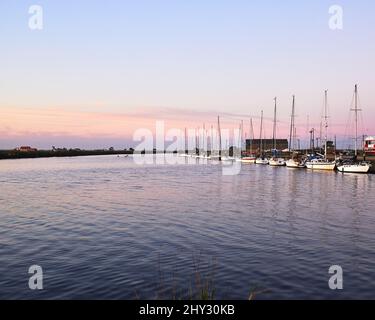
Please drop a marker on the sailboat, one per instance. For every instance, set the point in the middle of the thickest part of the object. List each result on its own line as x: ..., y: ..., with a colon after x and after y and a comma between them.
x: 200, y: 138
x: 185, y: 152
x: 238, y: 154
x: 275, y: 161
x: 205, y: 154
x: 221, y: 157
x: 250, y: 158
x: 195, y: 154
x: 216, y: 154
x: 354, y: 166
x: 262, y: 159
x: 227, y: 157
x: 322, y: 163
x: 293, y: 162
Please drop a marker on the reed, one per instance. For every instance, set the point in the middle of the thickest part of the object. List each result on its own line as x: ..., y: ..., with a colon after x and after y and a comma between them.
x: 200, y: 286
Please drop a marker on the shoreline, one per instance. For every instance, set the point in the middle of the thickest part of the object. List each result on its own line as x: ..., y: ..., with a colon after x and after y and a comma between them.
x: 14, y: 154
x: 17, y: 155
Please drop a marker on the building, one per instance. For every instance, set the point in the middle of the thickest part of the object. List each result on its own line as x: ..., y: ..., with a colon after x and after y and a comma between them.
x: 26, y: 149
x: 253, y: 145
x: 369, y: 146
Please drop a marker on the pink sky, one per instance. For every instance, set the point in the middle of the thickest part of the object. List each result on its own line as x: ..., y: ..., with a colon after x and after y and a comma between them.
x: 91, y: 79
x: 44, y: 127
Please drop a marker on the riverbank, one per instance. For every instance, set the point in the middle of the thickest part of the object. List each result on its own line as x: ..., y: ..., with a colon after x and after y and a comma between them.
x: 15, y: 154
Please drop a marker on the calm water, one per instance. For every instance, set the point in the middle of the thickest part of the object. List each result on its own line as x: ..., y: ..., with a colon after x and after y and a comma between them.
x: 105, y: 227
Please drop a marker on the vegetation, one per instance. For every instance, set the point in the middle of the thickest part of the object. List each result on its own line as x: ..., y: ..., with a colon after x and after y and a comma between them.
x: 200, y: 286
x: 15, y: 154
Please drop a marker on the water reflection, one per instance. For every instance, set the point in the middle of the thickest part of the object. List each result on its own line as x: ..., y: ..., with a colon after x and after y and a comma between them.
x: 101, y: 227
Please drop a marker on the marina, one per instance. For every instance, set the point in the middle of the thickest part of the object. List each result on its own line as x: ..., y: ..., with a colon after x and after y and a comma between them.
x: 292, y: 158
x: 190, y: 156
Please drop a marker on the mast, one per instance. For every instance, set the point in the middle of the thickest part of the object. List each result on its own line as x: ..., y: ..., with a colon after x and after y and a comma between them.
x: 274, y: 126
x: 335, y: 145
x: 291, y: 126
x: 206, y: 142
x: 356, y: 118
x: 261, y: 132
x: 218, y: 127
x: 312, y: 139
x: 325, y: 124
x: 251, y: 135
x: 197, y: 143
x: 319, y: 143
x: 211, y: 139
x: 241, y: 144
x: 204, y: 148
x: 307, y: 130
x: 186, y: 142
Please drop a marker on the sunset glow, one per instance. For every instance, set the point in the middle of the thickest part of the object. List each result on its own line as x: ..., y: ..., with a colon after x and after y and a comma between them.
x: 78, y: 82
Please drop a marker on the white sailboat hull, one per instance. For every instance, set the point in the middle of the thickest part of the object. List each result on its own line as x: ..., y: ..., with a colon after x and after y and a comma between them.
x: 228, y: 159
x: 248, y: 160
x: 277, y: 162
x: 214, y: 157
x: 261, y: 161
x: 354, y: 168
x: 294, y: 164
x: 321, y: 166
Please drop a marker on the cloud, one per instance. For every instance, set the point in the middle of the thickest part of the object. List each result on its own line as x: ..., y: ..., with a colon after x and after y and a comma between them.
x: 47, y: 126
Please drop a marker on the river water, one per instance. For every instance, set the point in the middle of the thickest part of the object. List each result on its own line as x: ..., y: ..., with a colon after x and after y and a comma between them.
x: 106, y: 227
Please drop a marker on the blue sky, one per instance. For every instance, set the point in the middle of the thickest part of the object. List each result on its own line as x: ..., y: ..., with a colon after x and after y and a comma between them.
x: 212, y: 56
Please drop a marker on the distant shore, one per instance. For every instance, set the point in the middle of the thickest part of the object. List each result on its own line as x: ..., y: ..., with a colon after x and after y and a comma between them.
x: 15, y: 154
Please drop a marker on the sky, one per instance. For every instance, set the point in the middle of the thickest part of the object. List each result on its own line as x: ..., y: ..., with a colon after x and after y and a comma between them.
x: 100, y: 70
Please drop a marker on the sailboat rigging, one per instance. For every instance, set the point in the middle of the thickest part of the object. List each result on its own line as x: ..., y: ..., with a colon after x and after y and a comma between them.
x: 323, y: 163
x: 293, y: 162
x: 262, y: 158
x: 275, y: 161
x: 355, y: 166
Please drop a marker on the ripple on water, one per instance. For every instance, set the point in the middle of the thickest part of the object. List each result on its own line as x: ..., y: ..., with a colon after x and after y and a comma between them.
x: 105, y: 227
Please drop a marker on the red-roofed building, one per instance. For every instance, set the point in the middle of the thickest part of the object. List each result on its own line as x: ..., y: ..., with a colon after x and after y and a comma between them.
x: 370, y: 145
x: 26, y: 149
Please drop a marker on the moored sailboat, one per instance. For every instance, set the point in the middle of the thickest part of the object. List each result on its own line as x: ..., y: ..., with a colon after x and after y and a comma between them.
x: 293, y: 162
x: 250, y: 158
x: 262, y: 159
x: 322, y: 163
x: 359, y: 167
x: 275, y: 161
x: 355, y: 166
